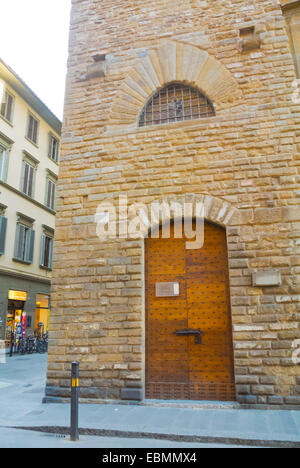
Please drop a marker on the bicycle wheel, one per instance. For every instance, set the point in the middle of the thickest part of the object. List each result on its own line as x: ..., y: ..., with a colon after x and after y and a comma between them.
x: 39, y: 347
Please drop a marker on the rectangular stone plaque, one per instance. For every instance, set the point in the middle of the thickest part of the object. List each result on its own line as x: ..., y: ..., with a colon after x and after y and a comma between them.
x: 167, y: 289
x: 267, y: 278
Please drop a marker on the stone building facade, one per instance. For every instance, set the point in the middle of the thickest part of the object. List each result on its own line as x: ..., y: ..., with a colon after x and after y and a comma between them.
x: 241, y: 164
x: 29, y: 164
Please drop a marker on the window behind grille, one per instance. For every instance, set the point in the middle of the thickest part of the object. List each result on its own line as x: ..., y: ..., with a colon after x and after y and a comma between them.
x: 174, y: 103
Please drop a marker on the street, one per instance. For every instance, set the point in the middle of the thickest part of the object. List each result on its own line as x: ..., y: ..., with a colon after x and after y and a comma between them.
x: 22, y: 383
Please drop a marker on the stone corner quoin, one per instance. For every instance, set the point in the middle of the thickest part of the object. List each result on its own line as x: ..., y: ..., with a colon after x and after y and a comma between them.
x: 242, y: 163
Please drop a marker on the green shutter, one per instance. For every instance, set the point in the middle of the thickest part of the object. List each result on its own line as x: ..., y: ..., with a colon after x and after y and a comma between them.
x: 3, y: 163
x: 5, y: 171
x: 29, y: 248
x: 22, y: 177
x: 30, y: 127
x: 50, y: 146
x: 3, y: 228
x: 51, y: 253
x: 20, y: 232
x: 42, y: 250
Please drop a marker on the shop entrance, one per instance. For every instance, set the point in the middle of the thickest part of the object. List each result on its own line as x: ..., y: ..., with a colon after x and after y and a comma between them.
x: 16, y: 319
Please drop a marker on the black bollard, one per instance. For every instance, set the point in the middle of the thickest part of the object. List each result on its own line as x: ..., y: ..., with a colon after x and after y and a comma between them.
x: 12, y: 340
x: 74, y: 401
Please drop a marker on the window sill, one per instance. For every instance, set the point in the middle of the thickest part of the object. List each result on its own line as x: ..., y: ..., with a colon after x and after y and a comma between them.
x: 32, y: 142
x: 49, y: 208
x: 53, y: 160
x: 21, y: 261
x: 45, y: 268
x: 19, y: 192
x: 26, y: 194
x: 6, y: 120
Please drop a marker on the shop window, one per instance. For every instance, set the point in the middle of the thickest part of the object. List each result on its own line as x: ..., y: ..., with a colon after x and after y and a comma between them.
x: 42, y: 313
x: 174, y: 103
x: 16, y: 316
x: 24, y: 244
x: 3, y: 229
x: 46, y: 252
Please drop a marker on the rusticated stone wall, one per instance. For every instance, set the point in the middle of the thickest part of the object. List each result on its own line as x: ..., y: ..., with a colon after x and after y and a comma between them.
x: 243, y: 163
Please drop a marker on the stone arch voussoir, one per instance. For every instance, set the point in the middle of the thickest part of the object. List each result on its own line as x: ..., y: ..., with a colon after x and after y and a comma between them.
x: 167, y: 63
x: 215, y: 210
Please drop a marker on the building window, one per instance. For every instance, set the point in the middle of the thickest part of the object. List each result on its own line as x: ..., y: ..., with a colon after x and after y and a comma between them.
x: 53, y: 148
x: 46, y: 251
x: 3, y: 163
x: 174, y: 103
x: 6, y: 108
x: 50, y: 195
x: 32, y: 129
x: 24, y: 243
x: 292, y: 17
x: 27, y: 179
x: 29, y: 169
x: 3, y: 228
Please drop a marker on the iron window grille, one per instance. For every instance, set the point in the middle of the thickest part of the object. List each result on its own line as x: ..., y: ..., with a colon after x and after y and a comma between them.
x: 174, y: 103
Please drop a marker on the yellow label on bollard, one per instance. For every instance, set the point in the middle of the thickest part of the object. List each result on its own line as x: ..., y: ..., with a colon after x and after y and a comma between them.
x: 75, y: 382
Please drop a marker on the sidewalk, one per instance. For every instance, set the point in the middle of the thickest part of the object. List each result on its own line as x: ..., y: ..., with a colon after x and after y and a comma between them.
x: 21, y: 405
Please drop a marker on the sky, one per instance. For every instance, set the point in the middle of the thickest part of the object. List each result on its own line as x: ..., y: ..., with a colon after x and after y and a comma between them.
x: 34, y: 43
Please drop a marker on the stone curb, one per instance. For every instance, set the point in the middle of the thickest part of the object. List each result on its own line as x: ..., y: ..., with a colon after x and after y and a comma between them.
x: 61, y: 430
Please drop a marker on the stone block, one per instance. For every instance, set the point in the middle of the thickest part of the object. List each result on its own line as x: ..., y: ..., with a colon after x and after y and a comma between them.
x: 263, y: 389
x: 134, y: 394
x: 247, y: 399
x: 275, y: 400
x: 292, y: 400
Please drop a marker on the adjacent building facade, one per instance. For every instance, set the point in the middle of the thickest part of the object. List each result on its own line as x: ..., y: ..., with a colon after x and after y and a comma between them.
x: 29, y: 158
x: 193, y: 105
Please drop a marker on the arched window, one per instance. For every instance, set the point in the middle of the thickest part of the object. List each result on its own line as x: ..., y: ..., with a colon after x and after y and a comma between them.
x: 173, y: 103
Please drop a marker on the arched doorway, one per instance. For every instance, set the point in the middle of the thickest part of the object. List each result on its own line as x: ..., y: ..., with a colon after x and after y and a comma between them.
x: 189, y: 353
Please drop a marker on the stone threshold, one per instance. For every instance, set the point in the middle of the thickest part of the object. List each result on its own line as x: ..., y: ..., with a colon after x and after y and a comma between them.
x: 152, y: 403
x: 192, y: 404
x: 175, y: 404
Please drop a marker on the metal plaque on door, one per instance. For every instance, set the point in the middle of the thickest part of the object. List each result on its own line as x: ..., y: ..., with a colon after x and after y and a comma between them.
x: 167, y: 289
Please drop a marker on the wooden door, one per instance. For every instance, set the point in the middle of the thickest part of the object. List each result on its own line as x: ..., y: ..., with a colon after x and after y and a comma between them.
x: 177, y: 366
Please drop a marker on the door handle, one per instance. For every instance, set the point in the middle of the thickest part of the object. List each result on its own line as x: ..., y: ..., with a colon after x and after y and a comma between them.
x: 189, y: 331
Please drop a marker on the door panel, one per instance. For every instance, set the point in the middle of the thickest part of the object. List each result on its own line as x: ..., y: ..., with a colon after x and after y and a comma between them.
x: 176, y: 366
x: 169, y: 358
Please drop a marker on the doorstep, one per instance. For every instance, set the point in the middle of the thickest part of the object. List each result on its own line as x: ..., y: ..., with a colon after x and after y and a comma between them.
x: 192, y: 404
